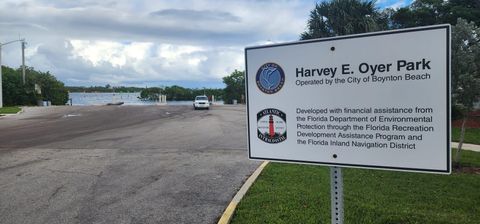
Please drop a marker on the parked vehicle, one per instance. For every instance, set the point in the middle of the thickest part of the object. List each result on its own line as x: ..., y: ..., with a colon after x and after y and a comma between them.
x: 201, y: 102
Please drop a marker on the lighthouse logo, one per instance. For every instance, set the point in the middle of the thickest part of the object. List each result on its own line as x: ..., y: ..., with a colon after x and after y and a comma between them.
x: 271, y: 126
x: 270, y: 78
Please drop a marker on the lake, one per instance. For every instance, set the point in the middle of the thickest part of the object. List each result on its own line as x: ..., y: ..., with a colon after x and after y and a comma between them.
x: 86, y: 99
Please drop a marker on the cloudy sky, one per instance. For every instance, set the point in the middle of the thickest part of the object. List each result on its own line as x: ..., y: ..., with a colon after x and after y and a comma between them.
x: 193, y: 43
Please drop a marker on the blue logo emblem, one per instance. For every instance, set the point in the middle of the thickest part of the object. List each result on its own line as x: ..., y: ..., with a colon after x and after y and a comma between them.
x: 270, y: 78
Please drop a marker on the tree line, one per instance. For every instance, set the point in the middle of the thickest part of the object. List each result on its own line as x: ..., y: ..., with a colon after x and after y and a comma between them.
x: 178, y: 93
x: 174, y: 92
x: 104, y: 89
x: 234, y: 90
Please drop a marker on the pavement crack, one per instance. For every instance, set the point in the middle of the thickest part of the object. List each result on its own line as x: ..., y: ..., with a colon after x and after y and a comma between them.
x: 146, y: 182
x: 56, y: 192
x: 23, y: 164
x: 75, y: 172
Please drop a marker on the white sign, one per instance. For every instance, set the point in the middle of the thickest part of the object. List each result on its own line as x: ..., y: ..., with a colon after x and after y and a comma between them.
x: 376, y: 100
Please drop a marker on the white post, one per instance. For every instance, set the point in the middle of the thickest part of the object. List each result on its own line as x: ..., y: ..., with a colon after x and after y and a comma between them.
x: 1, y: 90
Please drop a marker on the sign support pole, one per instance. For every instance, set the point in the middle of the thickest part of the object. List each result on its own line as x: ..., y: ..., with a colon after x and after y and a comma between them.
x: 336, y: 192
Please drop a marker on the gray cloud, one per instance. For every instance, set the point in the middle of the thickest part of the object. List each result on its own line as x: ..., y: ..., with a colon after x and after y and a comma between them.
x: 192, y: 15
x: 99, y: 23
x: 218, y: 36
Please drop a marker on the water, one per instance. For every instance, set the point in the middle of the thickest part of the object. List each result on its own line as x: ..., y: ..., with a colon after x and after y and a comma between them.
x: 85, y: 99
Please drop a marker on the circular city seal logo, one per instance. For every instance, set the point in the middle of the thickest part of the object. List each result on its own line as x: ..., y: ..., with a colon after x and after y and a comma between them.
x: 271, y: 126
x: 270, y: 78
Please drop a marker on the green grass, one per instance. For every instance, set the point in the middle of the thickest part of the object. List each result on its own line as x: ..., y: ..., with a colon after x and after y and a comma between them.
x: 289, y: 193
x: 472, y: 135
x: 469, y: 158
x: 9, y: 110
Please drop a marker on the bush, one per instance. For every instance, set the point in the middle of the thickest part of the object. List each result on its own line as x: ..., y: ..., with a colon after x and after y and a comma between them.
x: 17, y: 93
x: 235, y: 89
x: 150, y: 94
x: 456, y: 112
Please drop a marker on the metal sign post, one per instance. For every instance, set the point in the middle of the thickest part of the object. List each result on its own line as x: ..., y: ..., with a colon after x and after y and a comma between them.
x: 336, y: 192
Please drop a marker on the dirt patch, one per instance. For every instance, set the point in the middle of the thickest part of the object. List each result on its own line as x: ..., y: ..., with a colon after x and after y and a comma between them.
x: 473, y: 120
x: 469, y: 170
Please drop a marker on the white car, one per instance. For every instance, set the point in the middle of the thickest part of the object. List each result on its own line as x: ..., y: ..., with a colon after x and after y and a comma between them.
x: 201, y: 102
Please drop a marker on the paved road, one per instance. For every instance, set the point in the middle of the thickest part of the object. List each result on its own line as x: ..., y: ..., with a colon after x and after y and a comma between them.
x: 127, y: 164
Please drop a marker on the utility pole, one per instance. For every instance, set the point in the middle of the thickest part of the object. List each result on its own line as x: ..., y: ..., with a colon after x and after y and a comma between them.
x: 23, y: 61
x: 23, y: 65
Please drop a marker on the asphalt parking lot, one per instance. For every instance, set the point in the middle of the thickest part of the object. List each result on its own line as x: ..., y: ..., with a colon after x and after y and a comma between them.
x: 121, y: 164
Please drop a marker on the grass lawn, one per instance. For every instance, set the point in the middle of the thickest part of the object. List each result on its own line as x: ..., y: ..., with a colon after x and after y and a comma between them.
x: 289, y: 193
x: 9, y: 110
x: 472, y: 135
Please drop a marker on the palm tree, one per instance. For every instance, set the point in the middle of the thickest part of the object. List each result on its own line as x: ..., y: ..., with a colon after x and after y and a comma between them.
x: 343, y: 17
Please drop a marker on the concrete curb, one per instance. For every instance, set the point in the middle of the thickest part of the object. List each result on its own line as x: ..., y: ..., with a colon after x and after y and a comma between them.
x: 467, y: 146
x: 228, y: 213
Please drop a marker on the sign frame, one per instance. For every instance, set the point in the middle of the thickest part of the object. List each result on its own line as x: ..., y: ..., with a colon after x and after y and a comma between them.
x: 448, y: 169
